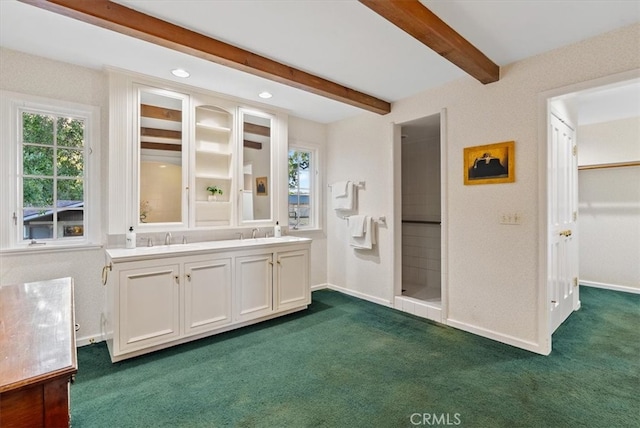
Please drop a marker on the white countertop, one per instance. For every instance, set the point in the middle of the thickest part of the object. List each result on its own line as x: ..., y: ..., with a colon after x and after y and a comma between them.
x: 144, y: 253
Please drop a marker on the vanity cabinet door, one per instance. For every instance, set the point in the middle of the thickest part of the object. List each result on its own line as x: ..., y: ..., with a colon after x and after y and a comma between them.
x: 207, y: 295
x: 254, y: 286
x: 149, y: 305
x: 292, y: 279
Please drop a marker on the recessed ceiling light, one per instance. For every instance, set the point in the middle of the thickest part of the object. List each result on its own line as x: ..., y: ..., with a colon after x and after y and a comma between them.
x: 265, y: 94
x: 179, y: 72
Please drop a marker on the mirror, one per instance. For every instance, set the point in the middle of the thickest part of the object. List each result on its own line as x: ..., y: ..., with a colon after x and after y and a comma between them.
x: 256, y: 167
x: 161, y: 157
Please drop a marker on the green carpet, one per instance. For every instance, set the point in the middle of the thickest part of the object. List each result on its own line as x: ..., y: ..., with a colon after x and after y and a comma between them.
x: 345, y: 362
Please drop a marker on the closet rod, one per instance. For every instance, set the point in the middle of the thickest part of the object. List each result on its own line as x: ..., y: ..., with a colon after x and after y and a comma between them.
x: 610, y: 165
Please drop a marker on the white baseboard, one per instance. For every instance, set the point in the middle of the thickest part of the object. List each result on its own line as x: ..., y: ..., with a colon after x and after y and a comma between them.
x: 319, y: 287
x: 498, y: 337
x: 360, y: 295
x: 87, y: 340
x: 615, y: 287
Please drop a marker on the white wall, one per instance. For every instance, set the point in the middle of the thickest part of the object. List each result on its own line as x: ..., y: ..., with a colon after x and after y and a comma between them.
x: 609, y: 204
x: 303, y: 131
x: 42, y: 77
x: 493, y: 283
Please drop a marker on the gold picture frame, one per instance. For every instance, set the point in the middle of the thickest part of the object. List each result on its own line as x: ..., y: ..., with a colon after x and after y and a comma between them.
x: 262, y: 186
x: 490, y: 164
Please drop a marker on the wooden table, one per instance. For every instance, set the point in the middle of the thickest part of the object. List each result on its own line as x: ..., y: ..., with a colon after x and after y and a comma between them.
x: 37, y: 353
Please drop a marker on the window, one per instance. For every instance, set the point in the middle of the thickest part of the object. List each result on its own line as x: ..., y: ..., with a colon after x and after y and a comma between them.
x: 52, y: 176
x: 303, y: 210
x: 50, y: 200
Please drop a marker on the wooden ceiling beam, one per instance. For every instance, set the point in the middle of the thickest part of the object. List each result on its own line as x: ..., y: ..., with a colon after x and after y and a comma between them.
x: 251, y: 128
x: 162, y: 133
x: 160, y: 146
x: 127, y: 21
x: 415, y: 19
x: 155, y: 112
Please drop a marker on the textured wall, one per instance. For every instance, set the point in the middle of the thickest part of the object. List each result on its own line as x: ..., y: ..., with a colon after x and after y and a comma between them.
x: 609, y: 221
x: 303, y: 131
x: 493, y: 283
x: 52, y: 79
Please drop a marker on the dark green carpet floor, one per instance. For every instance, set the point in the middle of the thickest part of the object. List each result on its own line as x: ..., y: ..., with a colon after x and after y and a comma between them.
x: 350, y: 363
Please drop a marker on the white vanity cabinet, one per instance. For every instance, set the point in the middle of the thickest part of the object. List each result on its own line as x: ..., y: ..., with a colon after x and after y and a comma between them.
x: 148, y: 307
x: 163, y: 296
x: 254, y: 286
x: 207, y: 294
x: 290, y: 268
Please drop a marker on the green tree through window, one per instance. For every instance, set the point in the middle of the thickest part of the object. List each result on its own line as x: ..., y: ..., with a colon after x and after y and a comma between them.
x: 299, y: 189
x: 53, y: 184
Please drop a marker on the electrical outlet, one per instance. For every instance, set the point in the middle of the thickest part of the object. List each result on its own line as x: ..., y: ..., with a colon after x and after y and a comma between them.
x: 512, y: 218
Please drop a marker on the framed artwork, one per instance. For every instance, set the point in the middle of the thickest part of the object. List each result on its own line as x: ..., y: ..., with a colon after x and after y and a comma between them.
x: 493, y: 163
x: 261, y: 186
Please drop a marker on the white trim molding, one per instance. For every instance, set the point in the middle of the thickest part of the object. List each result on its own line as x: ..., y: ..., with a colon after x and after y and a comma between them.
x: 615, y: 287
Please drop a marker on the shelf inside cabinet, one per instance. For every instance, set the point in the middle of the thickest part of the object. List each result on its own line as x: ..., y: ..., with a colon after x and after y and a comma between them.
x: 214, y: 128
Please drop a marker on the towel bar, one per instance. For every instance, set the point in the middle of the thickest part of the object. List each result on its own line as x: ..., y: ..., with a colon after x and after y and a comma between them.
x: 381, y: 219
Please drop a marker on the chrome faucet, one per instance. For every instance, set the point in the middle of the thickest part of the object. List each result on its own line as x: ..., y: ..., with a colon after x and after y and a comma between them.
x: 253, y: 232
x: 167, y: 238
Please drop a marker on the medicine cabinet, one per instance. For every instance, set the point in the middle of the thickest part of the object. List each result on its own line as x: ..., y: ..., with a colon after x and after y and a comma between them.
x: 183, y: 159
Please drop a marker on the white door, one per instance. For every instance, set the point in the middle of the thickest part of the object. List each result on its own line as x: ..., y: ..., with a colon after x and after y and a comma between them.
x: 562, y: 191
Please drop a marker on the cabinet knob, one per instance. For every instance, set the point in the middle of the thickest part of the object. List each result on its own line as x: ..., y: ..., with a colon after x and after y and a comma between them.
x: 177, y: 279
x: 189, y: 276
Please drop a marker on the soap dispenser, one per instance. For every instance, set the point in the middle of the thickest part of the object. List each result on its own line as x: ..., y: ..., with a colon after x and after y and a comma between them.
x: 277, y: 230
x: 130, y: 238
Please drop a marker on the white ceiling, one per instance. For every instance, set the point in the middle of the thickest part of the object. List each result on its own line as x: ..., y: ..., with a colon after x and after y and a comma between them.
x: 340, y: 40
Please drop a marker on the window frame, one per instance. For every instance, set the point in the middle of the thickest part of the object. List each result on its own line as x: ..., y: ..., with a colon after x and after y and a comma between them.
x: 11, y: 232
x: 316, y: 179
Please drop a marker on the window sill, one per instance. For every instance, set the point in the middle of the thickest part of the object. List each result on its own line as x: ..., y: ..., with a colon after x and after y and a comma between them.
x: 303, y: 231
x: 41, y: 249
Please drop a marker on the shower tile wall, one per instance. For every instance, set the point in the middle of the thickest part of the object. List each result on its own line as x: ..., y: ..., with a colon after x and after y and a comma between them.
x: 421, y: 202
x: 421, y: 255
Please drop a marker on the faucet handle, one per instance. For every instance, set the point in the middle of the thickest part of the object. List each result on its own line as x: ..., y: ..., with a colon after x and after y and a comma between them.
x: 149, y: 242
x: 241, y: 235
x: 184, y: 239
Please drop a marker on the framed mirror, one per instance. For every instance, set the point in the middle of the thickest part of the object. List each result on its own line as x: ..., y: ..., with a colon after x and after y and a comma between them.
x: 163, y: 155
x: 257, y: 167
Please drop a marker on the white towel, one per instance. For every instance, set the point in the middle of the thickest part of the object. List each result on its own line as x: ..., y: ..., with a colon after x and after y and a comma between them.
x: 367, y: 241
x: 356, y: 225
x: 339, y: 189
x: 346, y: 202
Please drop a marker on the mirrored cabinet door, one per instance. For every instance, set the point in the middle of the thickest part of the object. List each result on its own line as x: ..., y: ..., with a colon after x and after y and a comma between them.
x: 162, y: 157
x: 256, y: 167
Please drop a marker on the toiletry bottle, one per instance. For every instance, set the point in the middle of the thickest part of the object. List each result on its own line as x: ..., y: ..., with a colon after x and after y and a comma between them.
x: 277, y: 230
x: 130, y: 238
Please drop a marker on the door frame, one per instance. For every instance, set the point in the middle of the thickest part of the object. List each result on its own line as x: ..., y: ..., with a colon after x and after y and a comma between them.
x: 396, y: 247
x: 544, y: 110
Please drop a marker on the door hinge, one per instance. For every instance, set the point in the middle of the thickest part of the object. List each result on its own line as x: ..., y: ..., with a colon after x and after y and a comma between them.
x: 575, y: 150
x: 575, y: 215
x: 15, y: 219
x: 575, y: 281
